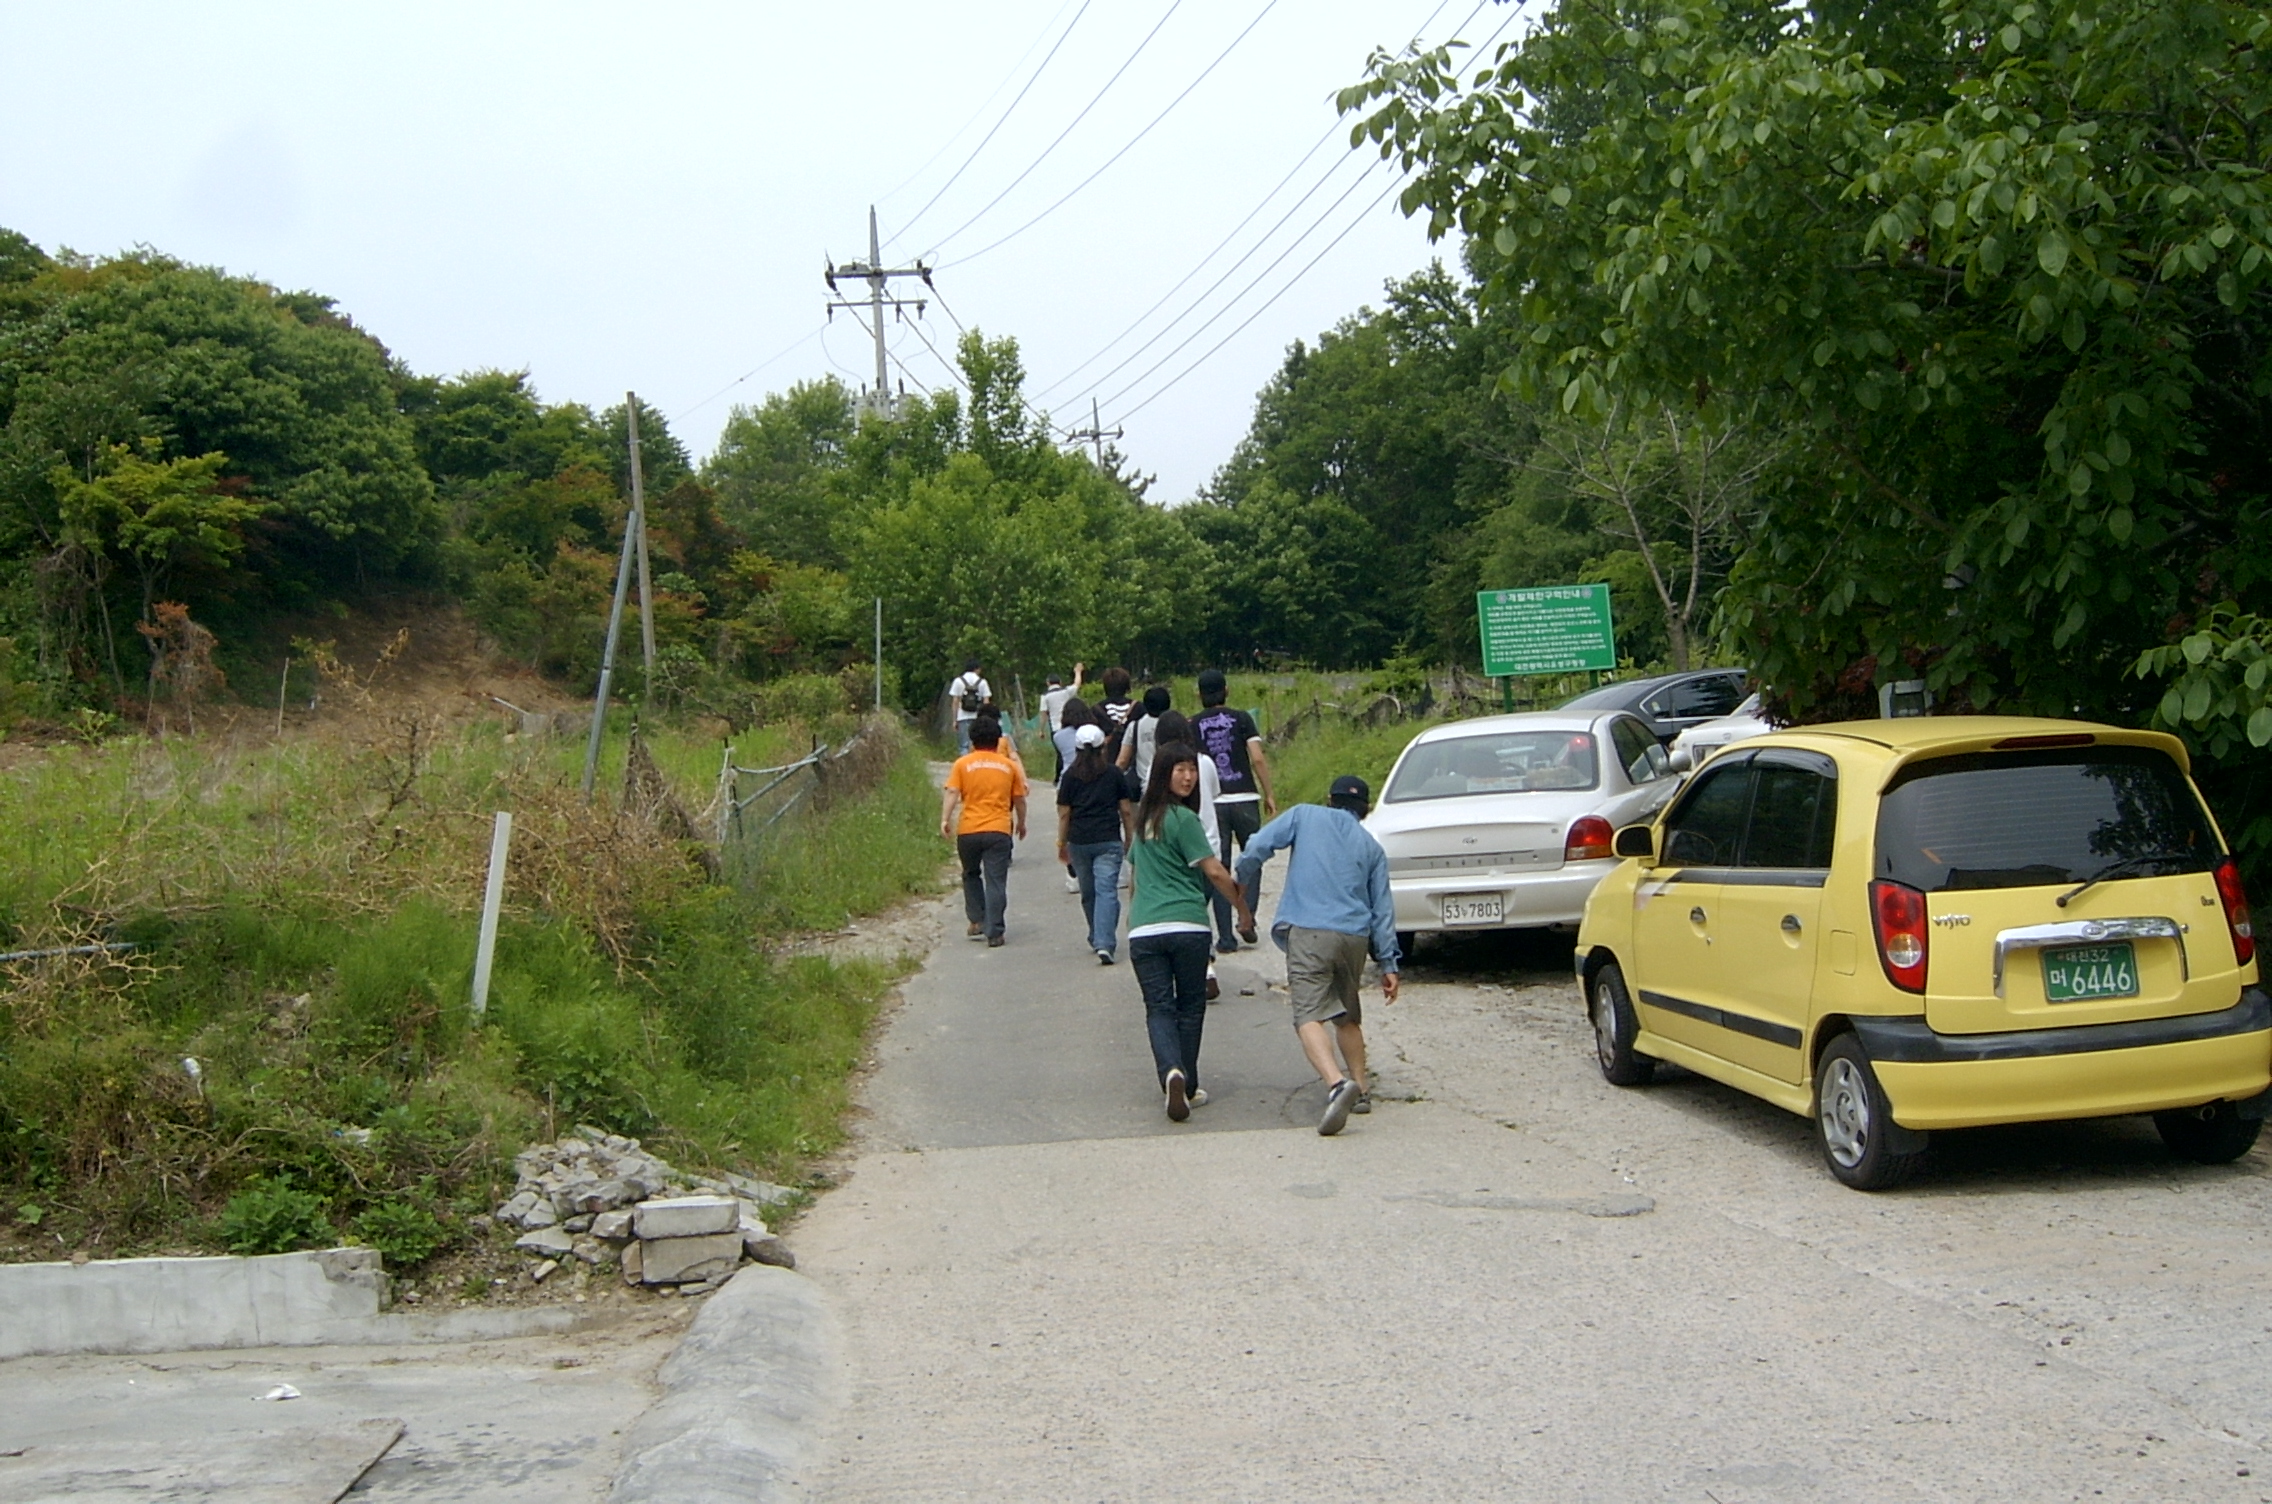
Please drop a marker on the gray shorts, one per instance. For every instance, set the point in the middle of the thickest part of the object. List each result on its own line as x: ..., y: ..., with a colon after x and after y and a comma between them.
x: 1323, y: 968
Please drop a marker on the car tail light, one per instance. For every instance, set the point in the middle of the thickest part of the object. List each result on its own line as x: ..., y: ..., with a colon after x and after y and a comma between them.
x: 1589, y: 840
x: 1899, y: 912
x: 2236, y: 910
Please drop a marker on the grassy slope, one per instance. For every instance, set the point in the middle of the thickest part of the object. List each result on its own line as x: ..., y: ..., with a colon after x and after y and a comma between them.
x: 304, y: 920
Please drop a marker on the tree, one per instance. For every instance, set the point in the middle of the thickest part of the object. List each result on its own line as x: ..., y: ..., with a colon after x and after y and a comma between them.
x: 164, y: 515
x: 772, y: 468
x: 2013, y: 298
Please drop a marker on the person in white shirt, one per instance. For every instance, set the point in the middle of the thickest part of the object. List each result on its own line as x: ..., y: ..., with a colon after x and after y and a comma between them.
x: 968, y: 692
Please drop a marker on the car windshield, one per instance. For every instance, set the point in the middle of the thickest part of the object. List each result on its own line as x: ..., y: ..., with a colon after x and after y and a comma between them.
x: 1504, y: 762
x: 2030, y: 819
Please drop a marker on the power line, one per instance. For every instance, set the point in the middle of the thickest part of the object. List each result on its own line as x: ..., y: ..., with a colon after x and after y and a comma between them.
x: 797, y: 344
x: 1250, y: 318
x: 1094, y: 101
x: 975, y: 115
x: 1269, y: 6
x: 1006, y: 114
x: 1184, y: 281
x: 1023, y: 401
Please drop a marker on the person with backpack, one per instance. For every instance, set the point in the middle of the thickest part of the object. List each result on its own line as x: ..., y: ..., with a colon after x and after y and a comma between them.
x: 969, y: 693
x: 1139, y: 744
x: 1230, y: 740
x: 1168, y: 923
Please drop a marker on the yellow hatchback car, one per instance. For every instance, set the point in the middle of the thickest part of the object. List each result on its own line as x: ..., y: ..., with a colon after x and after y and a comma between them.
x: 1902, y: 925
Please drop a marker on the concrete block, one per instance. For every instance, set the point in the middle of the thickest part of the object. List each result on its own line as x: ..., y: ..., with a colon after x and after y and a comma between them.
x: 612, y: 1227
x: 675, y: 1261
x: 686, y: 1216
x: 176, y: 1305
x: 548, y: 1242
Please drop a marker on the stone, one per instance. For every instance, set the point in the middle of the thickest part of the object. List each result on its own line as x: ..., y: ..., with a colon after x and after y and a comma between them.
x: 592, y: 1250
x: 673, y: 1261
x: 581, y: 1222
x: 517, y: 1208
x: 686, y: 1217
x: 634, y: 1264
x: 763, y: 1192
x: 539, y: 1273
x: 547, y: 1240
x: 605, y: 1196
x: 752, y: 1220
x: 765, y: 1248
x: 539, y: 1215
x: 612, y: 1227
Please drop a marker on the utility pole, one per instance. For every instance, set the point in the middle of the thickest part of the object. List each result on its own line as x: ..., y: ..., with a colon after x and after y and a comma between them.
x: 878, y: 277
x: 639, y: 525
x: 1096, y: 432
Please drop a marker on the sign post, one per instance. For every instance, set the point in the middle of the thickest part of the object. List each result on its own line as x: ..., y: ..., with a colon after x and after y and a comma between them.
x: 1547, y: 629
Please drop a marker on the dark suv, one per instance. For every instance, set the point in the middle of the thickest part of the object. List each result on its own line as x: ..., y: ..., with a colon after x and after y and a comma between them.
x: 1670, y: 703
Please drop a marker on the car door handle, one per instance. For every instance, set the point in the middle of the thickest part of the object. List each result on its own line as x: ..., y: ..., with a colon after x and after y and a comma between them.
x: 1790, y: 924
x: 1696, y: 915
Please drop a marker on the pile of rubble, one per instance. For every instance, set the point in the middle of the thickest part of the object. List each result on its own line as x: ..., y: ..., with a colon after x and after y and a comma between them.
x: 600, y: 1198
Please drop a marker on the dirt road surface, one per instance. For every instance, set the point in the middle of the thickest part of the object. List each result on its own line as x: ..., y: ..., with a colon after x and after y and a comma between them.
x: 1510, y: 1281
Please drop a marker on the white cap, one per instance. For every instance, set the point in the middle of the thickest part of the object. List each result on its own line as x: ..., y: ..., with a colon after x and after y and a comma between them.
x: 1089, y: 736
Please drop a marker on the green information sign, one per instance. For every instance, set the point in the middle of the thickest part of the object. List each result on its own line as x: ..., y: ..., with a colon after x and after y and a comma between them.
x: 1553, y: 629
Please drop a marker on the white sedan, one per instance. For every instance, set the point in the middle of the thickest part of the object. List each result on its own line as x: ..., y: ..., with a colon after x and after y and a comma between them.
x: 1697, y: 742
x: 1505, y: 822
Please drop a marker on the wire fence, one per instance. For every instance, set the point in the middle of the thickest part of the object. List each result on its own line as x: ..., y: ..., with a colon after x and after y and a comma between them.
x: 752, y: 803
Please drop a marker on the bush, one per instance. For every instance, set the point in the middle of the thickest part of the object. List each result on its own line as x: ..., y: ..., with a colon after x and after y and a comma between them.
x: 404, y: 1233
x: 273, y: 1216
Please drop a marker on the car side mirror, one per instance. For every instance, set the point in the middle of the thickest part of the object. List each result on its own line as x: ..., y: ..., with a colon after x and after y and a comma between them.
x: 1681, y: 759
x: 1636, y: 840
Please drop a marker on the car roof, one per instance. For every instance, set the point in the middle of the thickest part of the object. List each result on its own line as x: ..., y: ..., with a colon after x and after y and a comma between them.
x: 1909, y: 737
x: 1624, y: 692
x: 1520, y: 720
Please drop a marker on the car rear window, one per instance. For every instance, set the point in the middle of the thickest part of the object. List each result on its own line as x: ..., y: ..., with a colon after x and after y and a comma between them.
x: 1505, y: 762
x: 2030, y: 819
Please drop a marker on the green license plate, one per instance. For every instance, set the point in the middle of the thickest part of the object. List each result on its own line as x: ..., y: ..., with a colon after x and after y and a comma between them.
x: 2081, y: 973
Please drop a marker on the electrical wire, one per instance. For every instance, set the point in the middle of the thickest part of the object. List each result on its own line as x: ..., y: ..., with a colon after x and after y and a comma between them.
x: 1095, y: 100
x: 1124, y: 416
x: 1006, y: 114
x: 983, y: 105
x: 1331, y: 131
x: 1033, y: 412
x: 1269, y: 6
x: 798, y: 344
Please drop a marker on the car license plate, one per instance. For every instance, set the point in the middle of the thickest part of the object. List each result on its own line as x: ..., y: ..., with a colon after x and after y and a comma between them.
x: 1474, y: 908
x: 2080, y: 973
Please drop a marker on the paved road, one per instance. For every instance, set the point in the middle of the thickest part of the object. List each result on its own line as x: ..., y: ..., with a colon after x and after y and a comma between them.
x: 1510, y: 1282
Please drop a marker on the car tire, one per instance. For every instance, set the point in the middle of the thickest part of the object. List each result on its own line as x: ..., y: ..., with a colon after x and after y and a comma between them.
x: 1405, y: 941
x: 1851, y: 1119
x: 1610, y: 1008
x: 2213, y: 1135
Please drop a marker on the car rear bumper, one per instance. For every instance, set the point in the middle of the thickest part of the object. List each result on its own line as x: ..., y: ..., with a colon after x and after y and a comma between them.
x: 1529, y: 901
x: 1970, y: 1080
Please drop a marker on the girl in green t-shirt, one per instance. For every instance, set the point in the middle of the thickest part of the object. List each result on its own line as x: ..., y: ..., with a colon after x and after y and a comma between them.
x: 1169, y: 927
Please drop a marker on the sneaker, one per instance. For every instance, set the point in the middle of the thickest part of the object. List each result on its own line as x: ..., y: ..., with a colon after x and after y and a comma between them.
x: 1225, y: 945
x: 975, y: 932
x: 1214, y: 986
x: 1199, y: 1096
x: 1338, y: 1101
x: 1104, y: 958
x: 1179, y: 1105
x: 993, y: 940
x: 1364, y: 1102
x: 1072, y: 884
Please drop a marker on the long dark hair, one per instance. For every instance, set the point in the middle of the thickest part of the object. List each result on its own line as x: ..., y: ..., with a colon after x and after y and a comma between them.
x: 1157, y: 796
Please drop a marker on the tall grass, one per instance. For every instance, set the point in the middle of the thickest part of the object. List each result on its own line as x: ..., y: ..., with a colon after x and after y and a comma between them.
x: 295, y: 1007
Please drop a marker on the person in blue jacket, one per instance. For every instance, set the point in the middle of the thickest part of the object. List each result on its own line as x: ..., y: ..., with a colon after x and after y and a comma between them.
x: 1334, y: 909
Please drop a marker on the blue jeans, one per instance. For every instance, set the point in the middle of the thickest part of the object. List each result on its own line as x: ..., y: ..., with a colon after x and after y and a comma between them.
x: 1097, y: 865
x: 1172, y: 970
x: 963, y: 723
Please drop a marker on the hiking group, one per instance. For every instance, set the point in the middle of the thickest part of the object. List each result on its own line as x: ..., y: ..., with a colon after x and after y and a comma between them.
x: 1163, y: 805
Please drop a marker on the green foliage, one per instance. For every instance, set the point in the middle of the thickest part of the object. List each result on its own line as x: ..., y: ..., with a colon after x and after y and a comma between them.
x: 2220, y: 699
x: 405, y: 1233
x: 273, y: 1216
x: 773, y: 468
x: 2001, y: 266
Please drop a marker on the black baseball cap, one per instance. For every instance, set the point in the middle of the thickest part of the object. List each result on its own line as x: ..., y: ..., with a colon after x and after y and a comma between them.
x: 1351, y: 793
x: 1211, y: 681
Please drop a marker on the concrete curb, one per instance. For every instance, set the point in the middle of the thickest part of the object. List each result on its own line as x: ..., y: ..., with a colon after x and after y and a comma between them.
x: 742, y: 1396
x: 196, y: 1304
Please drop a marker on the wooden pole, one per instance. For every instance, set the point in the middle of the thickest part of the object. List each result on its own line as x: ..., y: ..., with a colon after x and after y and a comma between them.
x: 607, y: 654
x: 639, y: 523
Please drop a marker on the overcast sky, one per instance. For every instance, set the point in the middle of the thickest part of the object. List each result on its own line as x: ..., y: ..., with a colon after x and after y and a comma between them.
x: 642, y: 197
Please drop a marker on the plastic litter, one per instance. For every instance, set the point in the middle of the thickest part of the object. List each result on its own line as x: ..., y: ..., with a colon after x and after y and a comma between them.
x: 282, y: 1392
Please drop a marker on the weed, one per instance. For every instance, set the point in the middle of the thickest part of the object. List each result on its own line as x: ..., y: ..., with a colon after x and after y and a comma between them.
x: 273, y: 1216
x: 405, y: 1233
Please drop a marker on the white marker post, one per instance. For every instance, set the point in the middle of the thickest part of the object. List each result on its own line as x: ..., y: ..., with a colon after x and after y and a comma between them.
x: 492, y: 900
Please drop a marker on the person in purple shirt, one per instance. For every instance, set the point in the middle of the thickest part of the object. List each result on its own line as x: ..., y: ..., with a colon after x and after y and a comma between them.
x: 1334, y: 909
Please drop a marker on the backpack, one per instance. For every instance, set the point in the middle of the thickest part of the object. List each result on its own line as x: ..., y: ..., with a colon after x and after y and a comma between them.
x: 968, y: 697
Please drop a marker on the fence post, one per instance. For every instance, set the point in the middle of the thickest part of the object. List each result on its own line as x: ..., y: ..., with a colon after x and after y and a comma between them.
x: 492, y: 900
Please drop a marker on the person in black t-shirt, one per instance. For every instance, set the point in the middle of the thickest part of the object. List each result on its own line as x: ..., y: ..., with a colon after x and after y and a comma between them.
x: 1095, y: 803
x: 1230, y: 740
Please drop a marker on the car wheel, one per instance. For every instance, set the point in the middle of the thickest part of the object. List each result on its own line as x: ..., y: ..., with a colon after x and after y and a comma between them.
x: 1615, y: 1029
x: 1851, y: 1116
x: 1405, y: 941
x: 2211, y: 1135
